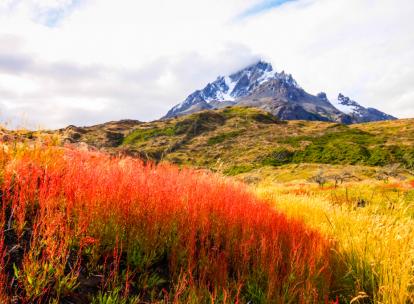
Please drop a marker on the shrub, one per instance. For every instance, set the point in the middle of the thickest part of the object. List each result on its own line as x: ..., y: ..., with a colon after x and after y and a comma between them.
x: 379, y: 157
x: 222, y: 137
x: 279, y: 156
x: 238, y: 169
x: 343, y: 145
x: 141, y: 135
x: 408, y: 158
x: 149, y: 232
x: 333, y: 153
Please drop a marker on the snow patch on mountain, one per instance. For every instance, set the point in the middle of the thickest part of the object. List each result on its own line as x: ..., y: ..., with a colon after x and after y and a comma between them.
x: 226, y: 96
x: 348, y: 106
x: 343, y: 108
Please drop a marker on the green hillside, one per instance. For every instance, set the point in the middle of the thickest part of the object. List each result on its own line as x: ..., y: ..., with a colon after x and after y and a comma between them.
x: 352, y: 184
x: 236, y: 140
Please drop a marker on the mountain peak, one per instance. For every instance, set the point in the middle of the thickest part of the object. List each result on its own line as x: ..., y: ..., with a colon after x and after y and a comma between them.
x: 345, y: 100
x: 264, y: 66
x: 258, y: 85
x: 226, y: 89
x: 322, y: 95
x: 358, y: 112
x: 346, y: 105
x: 258, y: 65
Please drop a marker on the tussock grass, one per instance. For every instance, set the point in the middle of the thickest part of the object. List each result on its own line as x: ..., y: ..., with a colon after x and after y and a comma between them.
x: 375, y: 239
x: 83, y: 226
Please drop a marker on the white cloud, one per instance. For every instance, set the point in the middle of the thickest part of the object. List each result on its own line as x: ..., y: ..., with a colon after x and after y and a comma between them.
x: 361, y: 48
x: 104, y: 60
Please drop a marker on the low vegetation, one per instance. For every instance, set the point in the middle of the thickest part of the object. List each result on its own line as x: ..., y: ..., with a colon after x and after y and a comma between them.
x: 372, y: 221
x: 217, y: 139
x: 345, y: 145
x: 327, y: 216
x: 82, y: 226
x: 236, y: 137
x: 142, y: 135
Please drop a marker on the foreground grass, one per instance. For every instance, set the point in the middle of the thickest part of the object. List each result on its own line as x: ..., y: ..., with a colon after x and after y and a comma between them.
x: 85, y: 227
x: 373, y: 223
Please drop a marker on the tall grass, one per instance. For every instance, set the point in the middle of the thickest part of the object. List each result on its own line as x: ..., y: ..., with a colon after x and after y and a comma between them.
x: 375, y: 239
x: 88, y: 227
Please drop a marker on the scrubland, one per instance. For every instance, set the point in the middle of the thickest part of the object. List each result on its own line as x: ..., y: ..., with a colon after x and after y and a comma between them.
x: 86, y: 227
x: 373, y: 224
x: 131, y: 212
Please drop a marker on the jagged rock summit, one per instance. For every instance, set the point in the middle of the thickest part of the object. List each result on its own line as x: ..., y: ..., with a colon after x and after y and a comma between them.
x: 259, y: 85
x: 357, y: 112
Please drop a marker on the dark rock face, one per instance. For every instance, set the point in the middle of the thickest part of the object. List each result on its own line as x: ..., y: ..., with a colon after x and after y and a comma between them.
x: 258, y: 85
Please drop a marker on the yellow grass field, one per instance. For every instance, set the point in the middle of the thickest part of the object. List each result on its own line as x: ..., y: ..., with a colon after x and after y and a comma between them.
x: 373, y: 223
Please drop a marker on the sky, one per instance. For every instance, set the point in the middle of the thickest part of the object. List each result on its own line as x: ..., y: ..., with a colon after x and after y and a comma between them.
x: 84, y: 62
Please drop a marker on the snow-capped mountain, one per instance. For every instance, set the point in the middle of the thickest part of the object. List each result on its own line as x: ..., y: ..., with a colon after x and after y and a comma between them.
x: 258, y: 85
x: 358, y: 112
x: 225, y: 90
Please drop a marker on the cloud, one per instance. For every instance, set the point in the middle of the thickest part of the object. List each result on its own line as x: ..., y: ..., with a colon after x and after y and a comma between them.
x: 46, y: 12
x: 11, y: 63
x: 355, y: 47
x: 102, y: 60
x: 61, y: 93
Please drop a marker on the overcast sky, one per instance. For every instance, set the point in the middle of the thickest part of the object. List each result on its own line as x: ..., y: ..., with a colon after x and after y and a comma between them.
x: 88, y: 61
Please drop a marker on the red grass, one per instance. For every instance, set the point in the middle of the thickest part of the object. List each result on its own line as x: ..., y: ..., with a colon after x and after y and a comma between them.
x: 396, y: 186
x: 328, y: 188
x: 207, y: 232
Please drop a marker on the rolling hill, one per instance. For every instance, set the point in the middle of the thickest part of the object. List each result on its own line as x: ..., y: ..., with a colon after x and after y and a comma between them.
x: 239, y: 139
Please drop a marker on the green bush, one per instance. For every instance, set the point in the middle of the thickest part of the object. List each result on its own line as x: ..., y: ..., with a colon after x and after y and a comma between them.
x: 231, y: 112
x: 222, y: 137
x: 239, y: 169
x: 266, y: 118
x: 333, y: 153
x: 141, y: 135
x: 379, y: 157
x: 408, y: 158
x: 279, y: 156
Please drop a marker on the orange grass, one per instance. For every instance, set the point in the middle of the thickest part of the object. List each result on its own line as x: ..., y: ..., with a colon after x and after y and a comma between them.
x: 147, y: 232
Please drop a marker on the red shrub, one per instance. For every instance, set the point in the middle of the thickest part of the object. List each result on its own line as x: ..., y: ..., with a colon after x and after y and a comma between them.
x: 3, y: 277
x: 207, y: 231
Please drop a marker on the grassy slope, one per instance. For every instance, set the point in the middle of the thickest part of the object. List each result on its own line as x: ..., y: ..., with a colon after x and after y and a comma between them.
x: 84, y: 227
x: 236, y: 140
x: 371, y: 220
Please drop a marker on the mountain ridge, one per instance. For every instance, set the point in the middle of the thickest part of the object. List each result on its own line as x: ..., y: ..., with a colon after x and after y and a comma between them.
x: 259, y: 85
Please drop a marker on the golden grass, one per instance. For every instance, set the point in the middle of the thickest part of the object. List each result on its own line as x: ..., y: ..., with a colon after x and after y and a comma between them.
x: 375, y: 242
